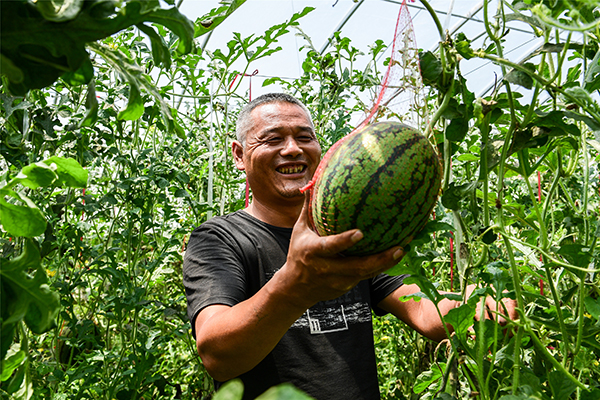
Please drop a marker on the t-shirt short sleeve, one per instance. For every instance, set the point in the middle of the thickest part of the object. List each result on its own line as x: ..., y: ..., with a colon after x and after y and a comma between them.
x: 228, y: 259
x: 213, y: 272
x: 382, y: 286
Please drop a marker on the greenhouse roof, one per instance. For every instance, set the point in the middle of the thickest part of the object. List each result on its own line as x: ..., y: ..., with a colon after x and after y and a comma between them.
x: 363, y: 22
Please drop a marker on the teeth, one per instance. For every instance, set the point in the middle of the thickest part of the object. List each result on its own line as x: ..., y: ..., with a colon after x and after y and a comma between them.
x: 291, y: 170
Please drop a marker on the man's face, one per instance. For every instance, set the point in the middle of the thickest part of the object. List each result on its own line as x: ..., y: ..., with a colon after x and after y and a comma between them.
x: 281, y: 153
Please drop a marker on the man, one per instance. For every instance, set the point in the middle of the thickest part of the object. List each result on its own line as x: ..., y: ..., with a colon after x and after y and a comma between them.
x: 270, y: 301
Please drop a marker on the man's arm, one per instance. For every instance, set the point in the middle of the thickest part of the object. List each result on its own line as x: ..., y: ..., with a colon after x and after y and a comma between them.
x: 233, y: 340
x: 423, y: 317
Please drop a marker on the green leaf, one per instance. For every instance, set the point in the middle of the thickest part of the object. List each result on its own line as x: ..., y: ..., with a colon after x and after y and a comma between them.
x: 428, y: 289
x: 455, y: 193
x: 591, y: 395
x: 44, y: 50
x: 581, y: 95
x: 11, y: 363
x: 59, y: 10
x: 577, y: 254
x: 21, y: 220
x: 467, y: 157
x: 91, y: 104
x: 461, y: 319
x: 284, y: 391
x: 498, y: 275
x: 215, y: 17
x: 457, y: 130
x: 136, y: 77
x: 24, y: 297
x: 431, y: 227
x: 593, y: 307
x: 149, y: 6
x: 521, y: 78
x: 10, y: 70
x: 231, y: 390
x: 561, y: 385
x: 555, y: 122
x: 431, y: 68
x: 181, y: 193
x: 9, y: 108
x: 160, y: 50
x: 36, y: 175
x: 426, y: 378
x: 592, y: 75
x: 176, y: 126
x: 81, y: 76
x: 20, y: 383
x: 465, y: 50
x: 135, y: 104
x: 592, y: 123
x: 176, y: 22
x: 69, y: 171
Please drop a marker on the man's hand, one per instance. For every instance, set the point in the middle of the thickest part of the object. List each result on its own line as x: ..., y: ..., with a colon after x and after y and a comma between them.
x: 423, y: 316
x: 500, y: 312
x: 319, y: 272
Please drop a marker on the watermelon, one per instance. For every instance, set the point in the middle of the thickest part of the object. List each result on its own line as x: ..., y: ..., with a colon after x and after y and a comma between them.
x: 383, y: 179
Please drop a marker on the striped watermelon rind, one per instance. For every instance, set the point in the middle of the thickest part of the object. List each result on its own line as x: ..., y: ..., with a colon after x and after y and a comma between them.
x: 384, y: 180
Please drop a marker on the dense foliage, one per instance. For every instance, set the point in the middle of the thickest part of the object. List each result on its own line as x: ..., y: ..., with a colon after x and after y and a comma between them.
x: 113, y: 155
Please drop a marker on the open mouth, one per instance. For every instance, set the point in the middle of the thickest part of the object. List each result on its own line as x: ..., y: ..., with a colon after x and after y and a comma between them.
x: 295, y: 169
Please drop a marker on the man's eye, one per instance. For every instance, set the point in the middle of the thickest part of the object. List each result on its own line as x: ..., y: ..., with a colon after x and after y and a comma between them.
x: 305, y: 138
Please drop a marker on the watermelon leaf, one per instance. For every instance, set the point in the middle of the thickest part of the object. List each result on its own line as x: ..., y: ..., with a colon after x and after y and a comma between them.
x: 284, y: 391
x: 231, y: 390
x: 21, y: 220
x: 521, y: 78
x: 25, y: 297
x: 457, y: 130
x: 431, y: 68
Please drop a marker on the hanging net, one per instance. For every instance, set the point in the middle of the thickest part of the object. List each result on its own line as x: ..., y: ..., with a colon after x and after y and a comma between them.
x: 400, y: 93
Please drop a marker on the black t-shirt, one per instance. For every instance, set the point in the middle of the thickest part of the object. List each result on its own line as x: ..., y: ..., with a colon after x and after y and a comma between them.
x: 328, y: 352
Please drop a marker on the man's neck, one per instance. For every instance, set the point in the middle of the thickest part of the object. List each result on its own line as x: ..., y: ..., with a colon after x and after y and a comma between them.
x: 284, y: 216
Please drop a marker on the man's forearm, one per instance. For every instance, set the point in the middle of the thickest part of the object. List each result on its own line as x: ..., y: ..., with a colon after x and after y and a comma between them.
x: 233, y: 340
x: 422, y: 315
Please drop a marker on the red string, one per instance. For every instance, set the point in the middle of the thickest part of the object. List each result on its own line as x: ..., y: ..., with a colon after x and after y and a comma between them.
x: 183, y: 244
x: 539, y: 177
x: 451, y: 261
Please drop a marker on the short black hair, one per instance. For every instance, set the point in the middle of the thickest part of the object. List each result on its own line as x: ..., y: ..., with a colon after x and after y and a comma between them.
x: 244, y: 122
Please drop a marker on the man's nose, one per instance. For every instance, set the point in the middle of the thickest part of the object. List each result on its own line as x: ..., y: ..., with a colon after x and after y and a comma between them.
x: 291, y: 148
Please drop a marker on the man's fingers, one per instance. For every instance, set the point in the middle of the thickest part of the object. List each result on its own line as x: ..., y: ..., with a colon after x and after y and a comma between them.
x: 304, y: 218
x: 374, y: 265
x: 335, y: 244
x: 495, y: 311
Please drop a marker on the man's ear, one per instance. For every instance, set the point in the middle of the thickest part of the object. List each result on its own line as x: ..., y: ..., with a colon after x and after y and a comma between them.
x: 238, y: 155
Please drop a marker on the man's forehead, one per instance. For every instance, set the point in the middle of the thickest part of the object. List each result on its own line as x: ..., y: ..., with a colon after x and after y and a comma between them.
x: 279, y: 113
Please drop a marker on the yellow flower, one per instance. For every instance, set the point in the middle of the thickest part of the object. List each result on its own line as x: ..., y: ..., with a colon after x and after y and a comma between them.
x: 50, y: 273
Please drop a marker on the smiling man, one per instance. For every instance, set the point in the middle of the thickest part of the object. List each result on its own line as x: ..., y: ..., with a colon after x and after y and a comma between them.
x: 269, y: 300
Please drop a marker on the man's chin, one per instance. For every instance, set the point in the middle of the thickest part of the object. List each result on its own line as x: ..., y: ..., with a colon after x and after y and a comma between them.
x: 292, y: 192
